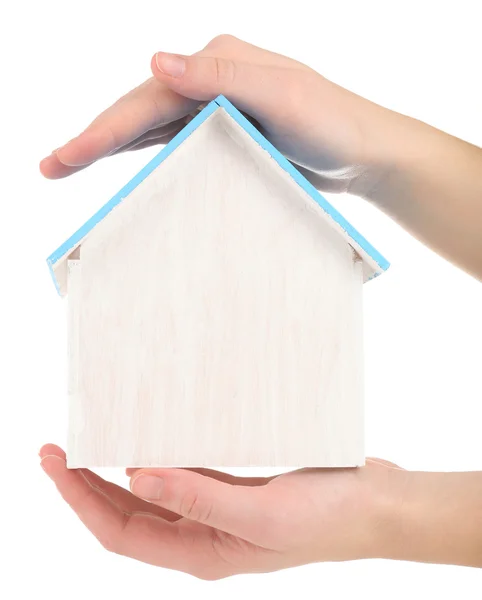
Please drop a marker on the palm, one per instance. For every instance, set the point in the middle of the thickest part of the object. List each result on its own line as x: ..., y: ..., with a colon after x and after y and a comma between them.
x: 302, y: 516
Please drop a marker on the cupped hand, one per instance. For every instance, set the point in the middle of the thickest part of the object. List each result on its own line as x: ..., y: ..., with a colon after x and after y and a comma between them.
x: 213, y: 525
x: 333, y: 135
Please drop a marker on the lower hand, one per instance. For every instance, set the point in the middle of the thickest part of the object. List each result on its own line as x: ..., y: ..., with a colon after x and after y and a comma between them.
x: 213, y: 525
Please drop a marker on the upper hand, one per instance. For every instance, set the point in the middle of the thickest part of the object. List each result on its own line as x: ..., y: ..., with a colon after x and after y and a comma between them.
x: 333, y: 135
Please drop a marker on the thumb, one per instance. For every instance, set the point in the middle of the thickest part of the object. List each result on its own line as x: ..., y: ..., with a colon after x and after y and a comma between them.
x: 235, y: 509
x: 255, y: 89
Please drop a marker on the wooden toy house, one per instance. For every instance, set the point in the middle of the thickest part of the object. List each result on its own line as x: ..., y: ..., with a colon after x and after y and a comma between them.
x: 215, y: 312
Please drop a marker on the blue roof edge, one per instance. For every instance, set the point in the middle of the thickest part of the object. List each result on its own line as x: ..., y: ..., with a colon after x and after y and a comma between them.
x: 283, y: 162
x: 301, y: 180
x: 132, y: 184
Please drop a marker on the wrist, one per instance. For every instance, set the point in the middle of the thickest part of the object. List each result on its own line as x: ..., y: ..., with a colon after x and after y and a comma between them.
x: 395, y: 145
x: 386, y: 516
x: 430, y: 517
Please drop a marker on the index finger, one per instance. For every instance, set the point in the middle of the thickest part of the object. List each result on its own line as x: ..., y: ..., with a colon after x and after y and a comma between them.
x: 145, y: 537
x: 149, y: 105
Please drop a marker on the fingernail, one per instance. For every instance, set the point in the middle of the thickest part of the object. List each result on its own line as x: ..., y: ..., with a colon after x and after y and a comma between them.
x: 64, y: 145
x: 170, y: 64
x: 147, y: 486
x: 44, y: 465
x: 51, y: 154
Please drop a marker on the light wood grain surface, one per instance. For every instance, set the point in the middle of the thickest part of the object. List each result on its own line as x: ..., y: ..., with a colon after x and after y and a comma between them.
x: 215, y: 319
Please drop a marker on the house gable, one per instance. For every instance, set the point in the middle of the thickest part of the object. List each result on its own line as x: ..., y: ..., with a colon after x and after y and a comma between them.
x: 215, y: 319
x: 373, y: 262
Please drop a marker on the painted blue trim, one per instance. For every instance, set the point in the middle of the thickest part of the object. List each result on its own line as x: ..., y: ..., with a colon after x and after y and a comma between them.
x: 54, y: 278
x: 303, y: 182
x: 133, y: 183
x: 220, y: 101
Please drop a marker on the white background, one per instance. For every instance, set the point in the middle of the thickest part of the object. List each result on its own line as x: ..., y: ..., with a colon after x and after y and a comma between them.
x: 63, y: 62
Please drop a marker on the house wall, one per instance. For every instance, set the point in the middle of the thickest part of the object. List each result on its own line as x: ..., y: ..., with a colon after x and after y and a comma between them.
x: 215, y: 319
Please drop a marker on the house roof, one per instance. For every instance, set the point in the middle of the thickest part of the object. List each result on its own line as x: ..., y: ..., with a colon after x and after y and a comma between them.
x: 367, y: 252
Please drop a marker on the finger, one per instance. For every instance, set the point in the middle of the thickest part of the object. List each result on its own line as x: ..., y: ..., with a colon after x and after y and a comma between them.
x: 160, y: 135
x: 124, y: 499
x: 140, y: 145
x: 52, y: 168
x: 158, y: 132
x: 51, y: 450
x: 221, y: 476
x: 117, y: 494
x: 104, y: 518
x: 238, y: 510
x: 159, y: 142
x: 231, y: 47
x: 385, y: 463
x: 147, y: 106
x: 144, y: 537
x: 255, y: 89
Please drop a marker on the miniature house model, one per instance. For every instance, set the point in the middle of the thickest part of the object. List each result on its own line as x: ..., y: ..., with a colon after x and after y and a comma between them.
x: 215, y: 312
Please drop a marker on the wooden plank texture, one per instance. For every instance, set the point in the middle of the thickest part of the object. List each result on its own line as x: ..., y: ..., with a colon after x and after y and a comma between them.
x: 215, y: 319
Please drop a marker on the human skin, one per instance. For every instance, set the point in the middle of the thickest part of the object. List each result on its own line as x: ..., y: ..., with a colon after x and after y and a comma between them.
x: 213, y: 525
x: 427, y: 180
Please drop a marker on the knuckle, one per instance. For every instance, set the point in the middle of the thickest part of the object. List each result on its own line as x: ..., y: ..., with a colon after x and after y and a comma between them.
x: 195, y: 508
x: 206, y: 575
x: 300, y: 87
x: 110, y: 544
x: 113, y: 541
x: 225, y: 71
x: 222, y: 39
